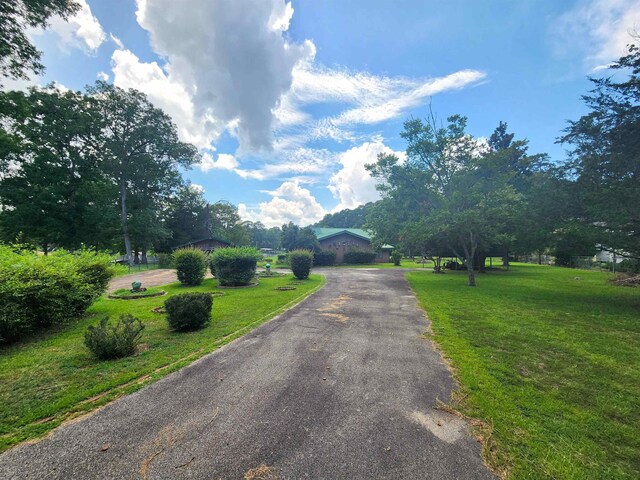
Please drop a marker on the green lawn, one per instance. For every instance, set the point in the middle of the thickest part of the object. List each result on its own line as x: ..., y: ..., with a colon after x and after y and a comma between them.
x: 52, y: 377
x: 549, y: 359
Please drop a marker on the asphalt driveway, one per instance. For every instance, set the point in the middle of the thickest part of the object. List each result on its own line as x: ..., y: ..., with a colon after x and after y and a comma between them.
x: 341, y: 386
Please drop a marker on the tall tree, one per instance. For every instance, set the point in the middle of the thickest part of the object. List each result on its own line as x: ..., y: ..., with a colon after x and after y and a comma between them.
x: 605, y: 160
x: 184, y: 218
x: 140, y: 147
x: 18, y: 56
x: 54, y: 192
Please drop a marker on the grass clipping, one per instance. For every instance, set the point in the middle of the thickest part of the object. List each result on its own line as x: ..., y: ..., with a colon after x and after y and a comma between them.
x: 626, y: 280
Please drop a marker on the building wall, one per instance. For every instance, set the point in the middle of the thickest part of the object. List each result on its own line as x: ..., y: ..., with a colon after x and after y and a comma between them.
x: 343, y: 242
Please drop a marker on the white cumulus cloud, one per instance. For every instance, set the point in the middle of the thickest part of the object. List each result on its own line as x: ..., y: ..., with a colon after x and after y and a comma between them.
x: 224, y: 161
x: 82, y: 31
x: 290, y: 202
x: 352, y: 185
x: 232, y: 58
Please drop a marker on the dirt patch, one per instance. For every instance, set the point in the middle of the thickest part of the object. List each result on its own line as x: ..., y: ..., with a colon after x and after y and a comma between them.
x: 626, y: 281
x: 261, y: 473
x: 336, y: 316
x: 336, y: 304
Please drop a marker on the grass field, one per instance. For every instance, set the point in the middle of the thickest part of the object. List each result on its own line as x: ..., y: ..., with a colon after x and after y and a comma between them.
x: 52, y: 377
x: 549, y: 359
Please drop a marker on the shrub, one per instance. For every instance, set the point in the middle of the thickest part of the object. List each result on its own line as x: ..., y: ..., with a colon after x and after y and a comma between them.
x: 359, y: 256
x: 629, y: 265
x: 188, y: 311
x: 39, y: 291
x: 235, y: 267
x: 164, y: 260
x: 396, y: 257
x: 191, y: 265
x: 282, y: 259
x: 324, y: 257
x: 114, y: 341
x: 301, y: 261
x: 268, y: 260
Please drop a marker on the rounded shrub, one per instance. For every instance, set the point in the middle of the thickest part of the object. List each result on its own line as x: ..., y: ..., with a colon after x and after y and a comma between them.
x: 396, y: 256
x: 188, y: 311
x: 235, y: 267
x: 301, y: 262
x: 324, y: 257
x: 191, y: 265
x: 107, y: 341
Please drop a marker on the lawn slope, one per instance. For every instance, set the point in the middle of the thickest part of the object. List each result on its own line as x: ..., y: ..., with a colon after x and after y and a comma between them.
x: 549, y: 358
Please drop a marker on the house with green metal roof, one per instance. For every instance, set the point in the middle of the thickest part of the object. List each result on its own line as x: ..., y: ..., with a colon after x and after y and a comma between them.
x: 341, y: 240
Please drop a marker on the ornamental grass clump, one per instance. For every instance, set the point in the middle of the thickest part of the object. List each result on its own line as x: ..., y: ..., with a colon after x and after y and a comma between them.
x: 191, y: 265
x: 235, y: 267
x: 301, y: 262
x: 107, y: 341
x: 188, y: 311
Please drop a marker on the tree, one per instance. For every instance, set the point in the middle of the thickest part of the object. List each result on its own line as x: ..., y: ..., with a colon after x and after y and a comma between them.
x: 348, y: 218
x: 457, y: 192
x: 226, y: 224
x: 294, y: 237
x: 54, y: 192
x: 140, y: 148
x: 184, y: 217
x: 18, y: 56
x: 605, y: 159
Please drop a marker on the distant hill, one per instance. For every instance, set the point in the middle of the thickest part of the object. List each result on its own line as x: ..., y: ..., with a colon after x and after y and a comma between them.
x: 346, y: 218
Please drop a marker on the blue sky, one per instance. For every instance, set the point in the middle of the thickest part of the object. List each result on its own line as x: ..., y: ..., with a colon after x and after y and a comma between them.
x: 289, y: 101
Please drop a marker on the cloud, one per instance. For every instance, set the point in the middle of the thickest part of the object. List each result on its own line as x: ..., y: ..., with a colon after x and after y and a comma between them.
x: 363, y: 98
x: 167, y: 94
x: 598, y: 29
x: 196, y: 187
x: 223, y: 162
x: 82, y: 31
x: 231, y: 58
x: 104, y: 76
x: 352, y: 184
x: 290, y: 203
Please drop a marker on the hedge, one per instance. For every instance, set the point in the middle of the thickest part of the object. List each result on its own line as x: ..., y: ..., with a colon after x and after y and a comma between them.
x: 359, y: 256
x: 324, y: 258
x: 38, y: 291
x: 235, y: 267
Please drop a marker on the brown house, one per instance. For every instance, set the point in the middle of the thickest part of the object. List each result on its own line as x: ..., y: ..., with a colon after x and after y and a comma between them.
x: 206, y: 244
x: 341, y: 240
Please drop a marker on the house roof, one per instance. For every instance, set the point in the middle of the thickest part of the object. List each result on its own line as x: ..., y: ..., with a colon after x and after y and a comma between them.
x: 324, y: 233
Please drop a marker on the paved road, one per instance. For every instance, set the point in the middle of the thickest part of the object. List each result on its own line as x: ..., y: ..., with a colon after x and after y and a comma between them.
x: 341, y: 386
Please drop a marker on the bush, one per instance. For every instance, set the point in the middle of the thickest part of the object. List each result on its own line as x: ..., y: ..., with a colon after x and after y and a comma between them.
x: 324, y: 257
x: 235, y: 267
x: 396, y: 257
x: 301, y: 261
x: 38, y: 291
x: 359, y: 256
x: 164, y: 260
x: 282, y: 259
x: 629, y: 265
x: 191, y: 265
x: 114, y: 341
x: 188, y: 311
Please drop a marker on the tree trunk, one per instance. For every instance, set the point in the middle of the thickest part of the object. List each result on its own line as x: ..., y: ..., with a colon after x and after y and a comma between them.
x: 136, y: 257
x: 144, y: 260
x: 469, y: 253
x: 539, y: 258
x: 125, y: 229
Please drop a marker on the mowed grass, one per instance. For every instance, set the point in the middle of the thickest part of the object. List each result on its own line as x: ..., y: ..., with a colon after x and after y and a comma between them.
x: 549, y: 358
x: 52, y: 377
